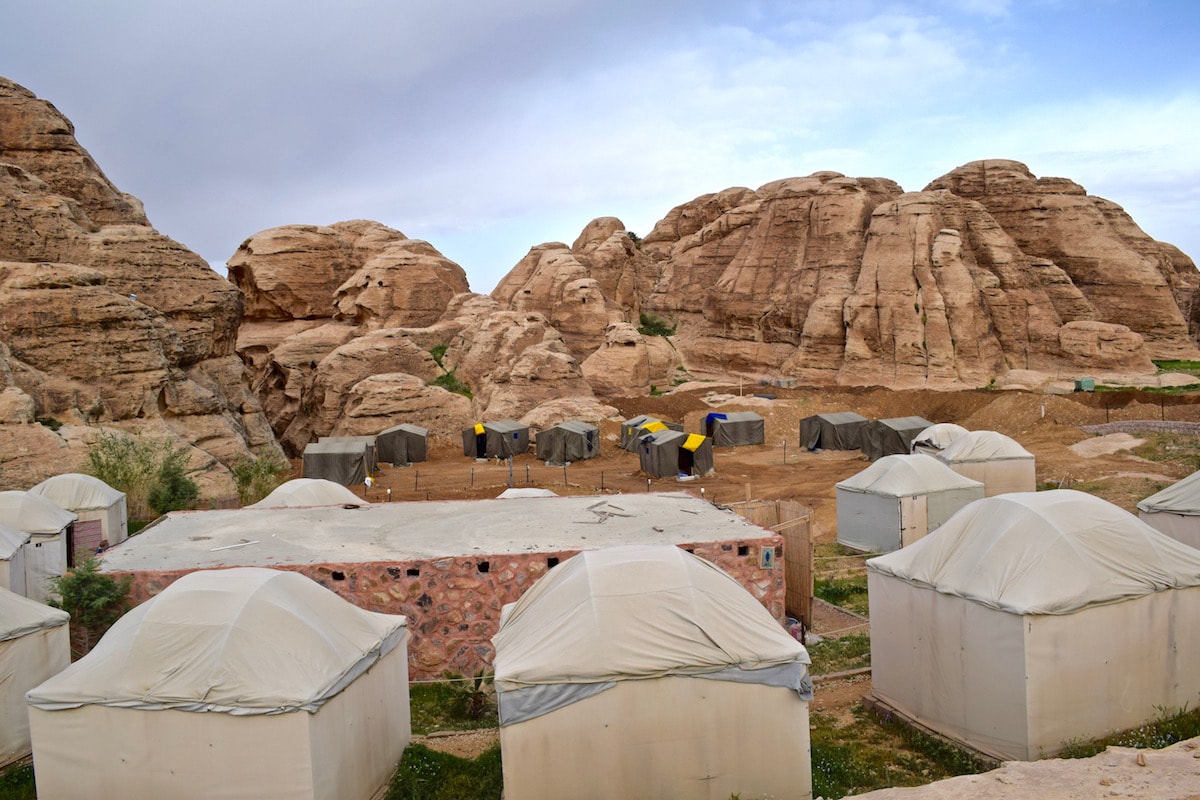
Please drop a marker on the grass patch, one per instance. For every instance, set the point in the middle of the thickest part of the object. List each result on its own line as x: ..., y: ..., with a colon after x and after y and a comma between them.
x: 451, y: 706
x: 868, y: 754
x: 1170, y: 391
x: 438, y: 351
x: 1170, y: 448
x: 450, y: 382
x: 16, y: 783
x: 425, y: 774
x: 1188, y: 367
x: 651, y: 325
x: 850, y: 593
x: 1171, y: 726
x: 851, y: 651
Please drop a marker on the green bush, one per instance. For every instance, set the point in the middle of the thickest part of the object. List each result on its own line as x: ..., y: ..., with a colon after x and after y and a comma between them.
x: 654, y: 326
x: 450, y: 382
x: 150, y: 472
x: 257, y: 477
x: 94, y: 600
x: 438, y: 351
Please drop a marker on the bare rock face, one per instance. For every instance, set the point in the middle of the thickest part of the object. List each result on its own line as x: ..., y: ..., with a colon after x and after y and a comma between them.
x: 630, y: 364
x: 1128, y: 277
x: 104, y: 319
x: 376, y: 402
x: 565, y: 409
x: 407, y: 283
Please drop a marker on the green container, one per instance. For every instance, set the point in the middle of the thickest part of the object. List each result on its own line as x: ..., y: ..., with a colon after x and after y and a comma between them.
x: 1085, y: 384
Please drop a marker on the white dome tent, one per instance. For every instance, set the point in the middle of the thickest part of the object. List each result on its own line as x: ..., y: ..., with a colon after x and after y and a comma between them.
x: 625, y: 672
x: 937, y: 438
x: 1175, y: 510
x: 48, y: 552
x: 1034, y: 618
x: 12, y: 559
x: 309, y: 492
x: 231, y: 683
x: 101, y: 508
x: 993, y: 458
x: 898, y: 500
x: 34, y: 644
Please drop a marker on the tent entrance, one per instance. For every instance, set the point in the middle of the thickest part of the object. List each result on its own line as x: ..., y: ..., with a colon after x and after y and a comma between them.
x: 481, y: 445
x: 687, y: 460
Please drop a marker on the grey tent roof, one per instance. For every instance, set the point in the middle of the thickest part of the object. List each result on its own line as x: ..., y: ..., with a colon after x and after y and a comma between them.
x: 572, y: 440
x: 835, y: 430
x: 1182, y: 497
x: 894, y: 435
x: 402, y: 444
x: 33, y: 513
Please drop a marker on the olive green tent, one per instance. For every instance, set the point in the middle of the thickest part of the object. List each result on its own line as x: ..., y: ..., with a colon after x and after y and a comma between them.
x: 568, y: 441
x: 340, y: 461
x: 634, y: 428
x: 402, y: 444
x: 499, y: 439
x: 894, y: 436
x: 669, y: 454
x: 839, y: 430
x: 734, y: 428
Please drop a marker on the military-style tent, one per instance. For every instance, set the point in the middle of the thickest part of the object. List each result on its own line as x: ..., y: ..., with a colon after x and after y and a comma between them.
x: 12, y: 559
x: 402, y: 444
x: 991, y: 457
x: 49, y: 551
x: 368, y: 443
x: 937, y: 438
x: 229, y: 683
x: 34, y: 644
x: 306, y: 492
x: 885, y: 437
x: 635, y: 671
x: 668, y: 454
x: 568, y: 441
x: 898, y: 500
x: 1175, y: 510
x: 101, y: 508
x: 839, y: 430
x: 340, y: 461
x: 1034, y: 618
x: 499, y: 439
x: 734, y: 428
x: 634, y: 428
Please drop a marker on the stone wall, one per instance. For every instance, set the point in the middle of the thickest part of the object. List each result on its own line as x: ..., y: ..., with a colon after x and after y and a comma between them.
x: 453, y: 604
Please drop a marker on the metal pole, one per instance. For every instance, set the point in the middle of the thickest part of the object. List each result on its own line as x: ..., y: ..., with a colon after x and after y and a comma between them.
x: 602, y: 480
x: 526, y: 474
x: 510, y: 483
x: 647, y: 484
x: 785, y: 451
x: 416, y: 479
x: 472, y: 476
x: 564, y: 474
x: 389, y: 495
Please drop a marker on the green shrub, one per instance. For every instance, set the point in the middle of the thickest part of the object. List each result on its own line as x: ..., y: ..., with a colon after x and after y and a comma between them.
x: 150, y: 472
x: 848, y: 593
x: 450, y: 382
x: 654, y: 326
x: 257, y: 477
x: 16, y: 783
x: 94, y: 600
x: 425, y: 774
x: 438, y: 351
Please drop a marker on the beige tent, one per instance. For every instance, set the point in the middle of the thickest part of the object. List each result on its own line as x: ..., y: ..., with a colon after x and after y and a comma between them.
x: 238, y: 683
x: 48, y: 552
x: 631, y: 671
x: 1034, y: 618
x: 899, y: 499
x: 937, y: 438
x: 997, y: 461
x: 1175, y: 510
x: 12, y: 559
x: 307, y: 492
x: 34, y: 644
x: 101, y: 508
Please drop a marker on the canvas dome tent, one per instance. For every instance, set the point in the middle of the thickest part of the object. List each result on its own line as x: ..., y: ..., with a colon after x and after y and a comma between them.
x: 229, y: 683
x: 936, y: 438
x: 101, y: 508
x: 34, y: 644
x: 898, y: 500
x: 634, y: 428
x: 568, y: 441
x: 629, y: 671
x: 340, y: 461
x: 1033, y: 618
x: 893, y: 436
x: 991, y: 457
x: 402, y: 444
x: 499, y: 439
x: 669, y: 454
x: 839, y: 430
x: 305, y: 492
x: 734, y: 428
x: 1175, y: 510
x: 49, y: 551
x: 12, y: 559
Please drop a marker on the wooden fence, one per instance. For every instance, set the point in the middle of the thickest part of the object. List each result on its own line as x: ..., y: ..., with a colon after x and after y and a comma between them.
x: 793, y: 521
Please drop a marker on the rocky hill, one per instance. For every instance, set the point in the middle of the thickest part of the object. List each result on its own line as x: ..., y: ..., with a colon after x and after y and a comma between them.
x: 989, y: 275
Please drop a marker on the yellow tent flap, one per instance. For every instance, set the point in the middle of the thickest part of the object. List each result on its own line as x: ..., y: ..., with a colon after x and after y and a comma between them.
x: 655, y: 426
x: 694, y: 440
x: 478, y: 428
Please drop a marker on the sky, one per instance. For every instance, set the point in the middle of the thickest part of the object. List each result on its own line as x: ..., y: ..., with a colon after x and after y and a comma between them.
x: 487, y: 128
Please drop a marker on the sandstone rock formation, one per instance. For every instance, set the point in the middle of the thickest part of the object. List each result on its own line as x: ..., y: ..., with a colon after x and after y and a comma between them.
x: 104, y: 320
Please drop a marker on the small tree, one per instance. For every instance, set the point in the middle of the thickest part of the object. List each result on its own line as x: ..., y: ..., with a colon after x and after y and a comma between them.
x: 257, y: 477
x: 94, y: 600
x: 150, y: 472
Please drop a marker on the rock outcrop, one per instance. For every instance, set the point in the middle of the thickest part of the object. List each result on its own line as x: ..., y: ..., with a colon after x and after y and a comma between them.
x: 103, y: 320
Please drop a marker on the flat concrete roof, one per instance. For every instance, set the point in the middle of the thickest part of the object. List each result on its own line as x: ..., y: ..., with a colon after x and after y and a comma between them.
x: 412, y: 531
